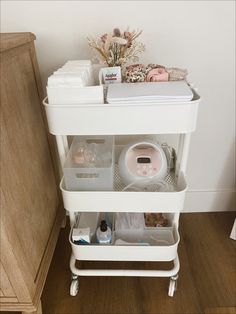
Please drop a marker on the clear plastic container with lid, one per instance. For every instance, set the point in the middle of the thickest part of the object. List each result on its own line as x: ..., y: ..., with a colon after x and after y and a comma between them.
x: 89, y: 165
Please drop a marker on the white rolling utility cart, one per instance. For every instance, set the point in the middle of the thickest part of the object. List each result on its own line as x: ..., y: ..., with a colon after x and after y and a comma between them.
x: 126, y: 119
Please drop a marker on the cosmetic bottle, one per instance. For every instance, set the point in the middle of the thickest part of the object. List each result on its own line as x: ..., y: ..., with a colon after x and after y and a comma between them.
x: 103, y: 233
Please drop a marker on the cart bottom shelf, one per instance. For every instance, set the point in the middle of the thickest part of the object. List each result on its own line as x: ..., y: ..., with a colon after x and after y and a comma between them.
x: 165, y: 238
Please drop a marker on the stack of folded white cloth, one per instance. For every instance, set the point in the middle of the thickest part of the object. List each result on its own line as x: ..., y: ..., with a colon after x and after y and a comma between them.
x: 77, y: 73
x: 73, y: 83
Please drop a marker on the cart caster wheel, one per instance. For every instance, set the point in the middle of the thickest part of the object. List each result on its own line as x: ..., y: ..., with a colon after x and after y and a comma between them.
x: 74, y: 276
x: 172, y: 286
x: 74, y: 287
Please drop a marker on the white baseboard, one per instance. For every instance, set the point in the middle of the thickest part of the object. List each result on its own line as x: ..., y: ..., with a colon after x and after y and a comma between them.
x: 210, y: 201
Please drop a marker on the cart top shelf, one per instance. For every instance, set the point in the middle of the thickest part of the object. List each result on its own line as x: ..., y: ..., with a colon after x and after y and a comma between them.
x: 120, y: 119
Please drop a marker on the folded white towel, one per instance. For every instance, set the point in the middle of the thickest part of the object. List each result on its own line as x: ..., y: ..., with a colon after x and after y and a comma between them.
x: 74, y: 68
x: 79, y: 62
x: 74, y: 73
x: 71, y: 70
x: 84, y: 74
x: 77, y: 68
x: 83, y: 71
x: 66, y: 79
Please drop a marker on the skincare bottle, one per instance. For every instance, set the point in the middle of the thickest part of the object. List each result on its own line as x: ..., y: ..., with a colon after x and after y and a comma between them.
x: 103, y: 233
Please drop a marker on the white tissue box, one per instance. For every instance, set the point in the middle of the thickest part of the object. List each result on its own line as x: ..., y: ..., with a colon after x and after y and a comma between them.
x: 81, y: 234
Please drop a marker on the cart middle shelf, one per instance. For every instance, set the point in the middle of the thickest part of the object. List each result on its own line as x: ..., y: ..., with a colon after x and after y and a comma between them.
x: 127, y: 201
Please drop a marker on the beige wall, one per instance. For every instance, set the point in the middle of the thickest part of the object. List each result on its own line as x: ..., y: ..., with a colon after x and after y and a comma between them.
x: 198, y: 35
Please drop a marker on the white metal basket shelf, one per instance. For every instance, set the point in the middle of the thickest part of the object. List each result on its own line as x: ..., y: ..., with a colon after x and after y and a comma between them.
x: 101, y: 119
x: 126, y: 201
x: 113, y: 252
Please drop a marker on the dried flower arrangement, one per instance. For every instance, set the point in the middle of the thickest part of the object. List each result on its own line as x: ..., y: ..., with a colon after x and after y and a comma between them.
x: 117, y: 48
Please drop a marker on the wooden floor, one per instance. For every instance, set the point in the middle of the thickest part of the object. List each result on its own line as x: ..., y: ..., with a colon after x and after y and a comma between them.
x: 207, y: 281
x: 206, y: 285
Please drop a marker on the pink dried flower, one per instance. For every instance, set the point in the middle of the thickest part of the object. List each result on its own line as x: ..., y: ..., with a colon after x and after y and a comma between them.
x: 128, y: 36
x: 116, y: 32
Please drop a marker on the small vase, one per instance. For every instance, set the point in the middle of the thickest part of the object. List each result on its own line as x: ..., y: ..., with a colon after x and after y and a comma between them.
x: 110, y: 75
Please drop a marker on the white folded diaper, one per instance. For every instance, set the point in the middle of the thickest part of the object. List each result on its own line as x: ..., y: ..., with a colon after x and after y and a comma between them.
x: 77, y: 73
x: 73, y: 83
x: 79, y: 62
x: 69, y: 79
x: 83, y: 72
x: 68, y: 83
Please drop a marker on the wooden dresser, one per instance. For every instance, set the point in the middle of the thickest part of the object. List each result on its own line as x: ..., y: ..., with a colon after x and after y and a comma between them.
x: 31, y: 212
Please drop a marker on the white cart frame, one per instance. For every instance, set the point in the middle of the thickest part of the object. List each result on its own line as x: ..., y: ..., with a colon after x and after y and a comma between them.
x: 125, y: 119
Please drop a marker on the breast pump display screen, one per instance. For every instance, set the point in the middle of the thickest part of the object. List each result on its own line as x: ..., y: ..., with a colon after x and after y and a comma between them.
x: 144, y: 160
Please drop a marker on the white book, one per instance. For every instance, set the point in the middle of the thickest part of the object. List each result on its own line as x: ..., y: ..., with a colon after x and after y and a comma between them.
x: 149, y: 92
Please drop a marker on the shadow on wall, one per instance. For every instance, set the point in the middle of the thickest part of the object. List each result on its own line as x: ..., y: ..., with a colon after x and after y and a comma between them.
x: 227, y: 198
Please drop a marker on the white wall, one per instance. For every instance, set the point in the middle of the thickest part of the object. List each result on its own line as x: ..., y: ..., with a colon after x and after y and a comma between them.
x: 198, y: 35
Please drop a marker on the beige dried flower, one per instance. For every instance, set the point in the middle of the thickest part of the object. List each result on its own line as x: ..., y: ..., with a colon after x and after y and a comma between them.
x: 116, y: 48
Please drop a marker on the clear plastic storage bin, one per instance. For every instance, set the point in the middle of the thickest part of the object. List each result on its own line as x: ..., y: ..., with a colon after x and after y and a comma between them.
x: 90, y: 163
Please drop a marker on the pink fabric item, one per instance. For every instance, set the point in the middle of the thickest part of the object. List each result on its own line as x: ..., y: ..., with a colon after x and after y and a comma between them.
x: 157, y: 75
x: 78, y: 158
